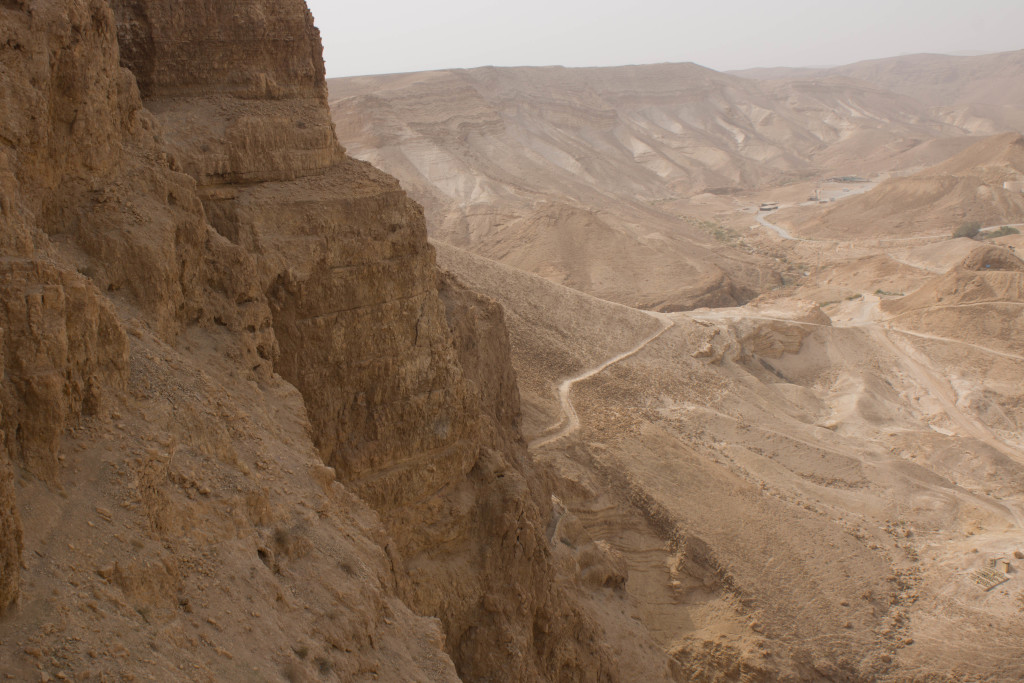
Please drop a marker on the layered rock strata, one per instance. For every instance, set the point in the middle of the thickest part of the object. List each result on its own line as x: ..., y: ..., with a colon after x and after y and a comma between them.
x: 352, y: 286
x: 181, y: 231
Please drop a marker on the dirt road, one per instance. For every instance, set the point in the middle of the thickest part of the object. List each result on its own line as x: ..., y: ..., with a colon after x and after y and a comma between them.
x: 947, y: 340
x: 919, y: 369
x: 570, y: 421
x: 785, y: 234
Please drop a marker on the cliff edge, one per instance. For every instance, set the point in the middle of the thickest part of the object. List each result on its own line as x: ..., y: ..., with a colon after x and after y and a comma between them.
x: 250, y: 431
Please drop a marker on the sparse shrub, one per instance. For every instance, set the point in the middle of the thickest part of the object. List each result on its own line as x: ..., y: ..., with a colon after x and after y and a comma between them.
x: 969, y: 229
x: 1001, y: 232
x: 719, y: 232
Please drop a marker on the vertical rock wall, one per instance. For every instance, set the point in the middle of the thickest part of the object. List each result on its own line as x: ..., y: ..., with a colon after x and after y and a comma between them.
x: 63, y: 103
x: 260, y: 50
x: 217, y: 202
x: 409, y: 396
x: 64, y: 350
x: 11, y: 545
x: 92, y: 210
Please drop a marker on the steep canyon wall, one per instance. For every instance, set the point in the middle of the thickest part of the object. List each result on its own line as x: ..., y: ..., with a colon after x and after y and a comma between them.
x: 175, y: 204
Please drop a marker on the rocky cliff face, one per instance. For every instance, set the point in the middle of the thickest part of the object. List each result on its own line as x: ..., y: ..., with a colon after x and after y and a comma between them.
x: 181, y: 231
x: 63, y: 350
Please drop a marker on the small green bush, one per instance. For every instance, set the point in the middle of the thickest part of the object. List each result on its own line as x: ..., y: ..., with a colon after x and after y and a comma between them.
x: 970, y: 229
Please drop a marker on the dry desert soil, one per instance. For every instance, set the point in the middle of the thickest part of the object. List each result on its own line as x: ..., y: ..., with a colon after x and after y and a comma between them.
x: 501, y: 375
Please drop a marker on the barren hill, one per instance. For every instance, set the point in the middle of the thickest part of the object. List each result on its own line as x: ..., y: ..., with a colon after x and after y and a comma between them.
x: 830, y: 487
x: 967, y: 187
x: 582, y: 175
x: 983, y: 94
x: 977, y: 302
x: 946, y: 80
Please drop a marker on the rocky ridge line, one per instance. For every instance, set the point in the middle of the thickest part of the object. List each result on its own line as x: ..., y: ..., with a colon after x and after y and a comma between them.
x: 181, y: 231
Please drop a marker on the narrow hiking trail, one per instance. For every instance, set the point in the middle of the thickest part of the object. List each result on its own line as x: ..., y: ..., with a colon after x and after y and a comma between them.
x: 919, y: 370
x: 984, y: 349
x: 569, y: 422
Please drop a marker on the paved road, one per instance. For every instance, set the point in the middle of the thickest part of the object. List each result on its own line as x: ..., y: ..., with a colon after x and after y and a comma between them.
x: 782, y: 232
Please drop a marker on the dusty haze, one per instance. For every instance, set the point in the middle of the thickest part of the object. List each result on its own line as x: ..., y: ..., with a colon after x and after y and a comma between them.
x: 556, y: 394
x: 739, y: 34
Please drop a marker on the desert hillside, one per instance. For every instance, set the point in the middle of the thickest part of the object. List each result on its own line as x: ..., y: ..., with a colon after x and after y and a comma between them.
x: 977, y: 185
x: 977, y: 302
x: 617, y: 424
x: 831, y: 487
x: 982, y: 94
x: 820, y: 484
x: 250, y: 432
x: 584, y: 176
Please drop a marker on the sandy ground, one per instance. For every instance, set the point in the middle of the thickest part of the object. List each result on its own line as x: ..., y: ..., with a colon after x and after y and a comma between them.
x: 569, y: 423
x: 818, y: 492
x: 818, y: 485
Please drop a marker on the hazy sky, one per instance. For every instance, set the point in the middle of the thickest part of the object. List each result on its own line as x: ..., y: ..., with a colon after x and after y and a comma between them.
x: 400, y: 35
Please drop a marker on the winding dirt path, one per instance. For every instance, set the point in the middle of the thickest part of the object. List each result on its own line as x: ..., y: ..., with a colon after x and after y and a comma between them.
x: 918, y: 367
x: 569, y: 422
x: 762, y: 218
x: 947, y: 340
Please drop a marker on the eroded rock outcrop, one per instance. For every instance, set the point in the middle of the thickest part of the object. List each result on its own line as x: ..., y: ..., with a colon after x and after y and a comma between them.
x: 10, y: 528
x: 992, y: 257
x: 91, y: 204
x: 353, y: 288
x: 168, y: 255
x: 138, y: 490
x: 64, y: 350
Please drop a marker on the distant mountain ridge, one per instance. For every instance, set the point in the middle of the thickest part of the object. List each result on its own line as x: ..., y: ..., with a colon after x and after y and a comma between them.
x: 982, y: 94
x: 507, y: 160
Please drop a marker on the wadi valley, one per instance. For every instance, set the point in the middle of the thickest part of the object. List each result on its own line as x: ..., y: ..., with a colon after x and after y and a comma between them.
x: 645, y: 373
x: 807, y: 465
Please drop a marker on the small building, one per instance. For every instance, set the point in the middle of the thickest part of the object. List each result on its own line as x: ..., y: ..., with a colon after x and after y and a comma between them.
x: 1005, y: 566
x: 770, y: 206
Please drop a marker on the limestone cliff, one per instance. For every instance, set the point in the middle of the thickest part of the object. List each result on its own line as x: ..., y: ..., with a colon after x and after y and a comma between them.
x: 184, y: 245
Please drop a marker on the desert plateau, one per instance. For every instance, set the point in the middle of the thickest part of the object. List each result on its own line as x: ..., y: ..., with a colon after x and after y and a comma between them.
x: 533, y: 374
